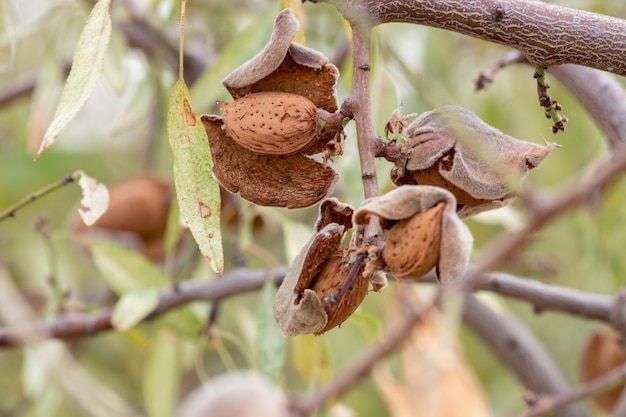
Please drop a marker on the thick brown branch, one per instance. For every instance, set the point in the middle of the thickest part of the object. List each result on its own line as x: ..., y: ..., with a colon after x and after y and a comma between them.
x: 546, y: 34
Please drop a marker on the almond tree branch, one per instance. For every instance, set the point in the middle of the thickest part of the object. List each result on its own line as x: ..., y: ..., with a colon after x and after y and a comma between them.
x: 241, y: 280
x: 545, y: 209
x: 518, y: 350
x: 544, y: 406
x: 546, y: 34
x: 80, y: 325
x: 358, y: 104
x: 345, y: 379
x: 598, y: 92
x: 10, y: 211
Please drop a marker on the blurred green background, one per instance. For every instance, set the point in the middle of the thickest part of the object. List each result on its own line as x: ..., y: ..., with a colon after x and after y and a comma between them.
x: 121, y: 134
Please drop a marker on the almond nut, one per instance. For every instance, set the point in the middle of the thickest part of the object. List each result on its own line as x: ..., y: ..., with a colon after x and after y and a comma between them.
x: 412, y: 247
x: 329, y: 280
x: 271, y: 123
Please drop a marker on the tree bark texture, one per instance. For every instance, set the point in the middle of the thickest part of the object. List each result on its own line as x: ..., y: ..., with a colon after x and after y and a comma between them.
x: 546, y: 34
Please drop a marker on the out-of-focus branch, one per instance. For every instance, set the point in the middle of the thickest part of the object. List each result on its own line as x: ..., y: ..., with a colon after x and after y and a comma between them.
x: 518, y: 350
x: 345, y: 379
x: 549, y: 297
x: 545, y: 33
x: 546, y: 406
x: 544, y: 209
x: 76, y: 326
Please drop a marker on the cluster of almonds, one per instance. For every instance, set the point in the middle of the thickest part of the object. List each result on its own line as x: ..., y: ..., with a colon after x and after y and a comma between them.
x: 450, y: 165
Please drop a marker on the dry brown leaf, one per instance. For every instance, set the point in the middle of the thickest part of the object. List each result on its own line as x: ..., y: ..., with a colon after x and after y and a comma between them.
x: 452, y: 148
x: 434, y: 379
x: 601, y: 354
x: 291, y: 181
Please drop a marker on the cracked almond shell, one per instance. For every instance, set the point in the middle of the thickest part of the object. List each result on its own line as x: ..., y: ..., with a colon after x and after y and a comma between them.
x: 292, y: 181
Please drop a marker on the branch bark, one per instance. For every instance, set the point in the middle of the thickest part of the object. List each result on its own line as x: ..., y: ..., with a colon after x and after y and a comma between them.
x: 546, y: 34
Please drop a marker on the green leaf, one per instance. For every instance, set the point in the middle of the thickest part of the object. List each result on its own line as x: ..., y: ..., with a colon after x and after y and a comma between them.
x: 198, y: 192
x: 161, y: 378
x: 311, y: 358
x: 271, y: 345
x: 86, y: 71
x: 243, y: 46
x: 133, y: 307
x: 124, y: 269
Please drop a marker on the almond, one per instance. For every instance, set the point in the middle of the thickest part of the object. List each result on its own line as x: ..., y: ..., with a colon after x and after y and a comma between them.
x: 271, y: 123
x: 328, y: 281
x: 412, y: 247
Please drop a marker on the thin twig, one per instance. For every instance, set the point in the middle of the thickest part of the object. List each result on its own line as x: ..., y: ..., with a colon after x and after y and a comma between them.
x: 549, y: 404
x: 518, y: 349
x: 485, y: 78
x: 10, y: 211
x: 81, y: 325
x: 303, y: 407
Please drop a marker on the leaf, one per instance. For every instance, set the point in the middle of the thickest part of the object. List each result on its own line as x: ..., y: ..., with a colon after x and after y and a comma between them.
x: 161, y: 378
x: 124, y: 269
x: 86, y: 71
x: 271, y: 345
x: 311, y: 358
x: 198, y: 192
x: 133, y: 307
x: 240, y: 48
x: 296, y: 6
x: 95, y: 199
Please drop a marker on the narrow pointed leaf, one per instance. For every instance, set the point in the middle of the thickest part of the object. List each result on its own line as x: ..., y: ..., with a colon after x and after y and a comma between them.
x: 198, y: 192
x: 87, y: 67
x: 161, y: 378
x: 271, y: 345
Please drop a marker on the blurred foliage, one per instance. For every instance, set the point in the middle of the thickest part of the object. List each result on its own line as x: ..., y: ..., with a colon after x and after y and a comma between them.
x: 120, y: 134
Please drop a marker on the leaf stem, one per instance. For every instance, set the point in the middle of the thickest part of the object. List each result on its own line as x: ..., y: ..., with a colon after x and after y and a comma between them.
x: 181, y: 60
x: 10, y: 211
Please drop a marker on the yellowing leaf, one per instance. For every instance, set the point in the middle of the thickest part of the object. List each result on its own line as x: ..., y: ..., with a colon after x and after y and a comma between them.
x: 296, y: 6
x: 198, y: 192
x: 86, y: 71
x: 133, y: 307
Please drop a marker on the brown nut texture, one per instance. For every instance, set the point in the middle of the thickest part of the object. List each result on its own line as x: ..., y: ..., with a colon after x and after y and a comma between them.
x: 328, y: 282
x: 412, y: 247
x: 271, y: 123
